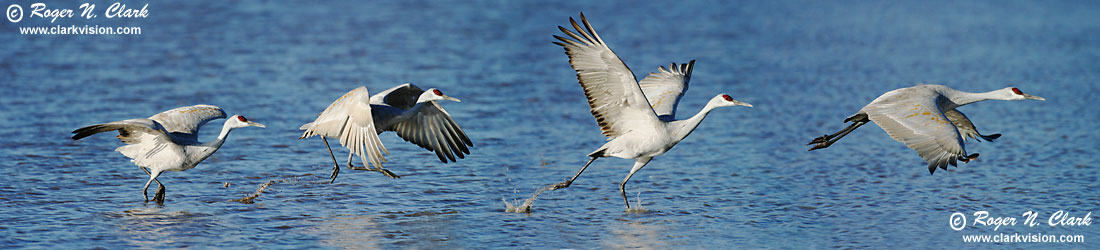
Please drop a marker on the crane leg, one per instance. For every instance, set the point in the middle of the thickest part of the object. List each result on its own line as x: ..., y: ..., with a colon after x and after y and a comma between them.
x: 145, y: 190
x: 159, y: 196
x: 158, y: 181
x: 570, y: 181
x: 353, y: 167
x: 638, y: 165
x: 335, y: 166
x: 385, y: 172
x: 828, y: 140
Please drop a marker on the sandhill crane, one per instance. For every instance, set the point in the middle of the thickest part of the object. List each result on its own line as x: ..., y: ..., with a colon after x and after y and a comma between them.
x: 168, y: 141
x: 357, y: 118
x: 925, y: 119
x: 637, y: 117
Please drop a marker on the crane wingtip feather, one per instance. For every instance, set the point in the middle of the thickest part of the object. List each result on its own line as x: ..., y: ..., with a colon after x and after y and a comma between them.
x: 991, y: 137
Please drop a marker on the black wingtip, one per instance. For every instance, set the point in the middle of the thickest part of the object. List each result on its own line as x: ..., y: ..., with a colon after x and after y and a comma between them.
x: 87, y: 131
x: 991, y: 137
x: 439, y: 153
x: 562, y: 39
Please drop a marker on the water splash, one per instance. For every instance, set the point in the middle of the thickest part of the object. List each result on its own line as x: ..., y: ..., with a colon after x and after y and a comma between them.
x: 525, y: 207
x: 637, y: 208
x: 516, y: 207
x: 259, y: 191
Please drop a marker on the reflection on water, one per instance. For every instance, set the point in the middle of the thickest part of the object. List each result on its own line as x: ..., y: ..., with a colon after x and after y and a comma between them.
x: 743, y: 179
x: 427, y: 229
x: 155, y: 226
x: 348, y: 232
x: 635, y: 233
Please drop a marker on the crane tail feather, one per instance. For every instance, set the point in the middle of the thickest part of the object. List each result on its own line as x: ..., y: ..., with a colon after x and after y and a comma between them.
x: 598, y: 153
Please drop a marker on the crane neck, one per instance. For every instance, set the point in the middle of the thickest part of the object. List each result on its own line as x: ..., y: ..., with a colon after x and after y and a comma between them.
x: 210, y: 147
x: 224, y: 134
x: 957, y: 98
x: 682, y: 128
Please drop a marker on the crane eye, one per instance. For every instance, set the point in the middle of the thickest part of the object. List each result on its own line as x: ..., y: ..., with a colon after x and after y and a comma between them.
x: 1017, y: 91
x: 241, y: 118
x: 437, y: 92
x: 727, y: 97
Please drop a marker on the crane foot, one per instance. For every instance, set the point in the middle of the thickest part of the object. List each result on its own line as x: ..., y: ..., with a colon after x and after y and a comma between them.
x: 819, y: 140
x: 822, y: 145
x: 969, y: 158
x: 560, y: 185
x: 335, y: 172
x: 159, y: 197
x: 385, y: 172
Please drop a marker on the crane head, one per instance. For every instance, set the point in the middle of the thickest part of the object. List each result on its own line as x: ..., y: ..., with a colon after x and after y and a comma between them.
x: 434, y: 94
x: 724, y: 100
x: 1015, y: 94
x: 238, y: 121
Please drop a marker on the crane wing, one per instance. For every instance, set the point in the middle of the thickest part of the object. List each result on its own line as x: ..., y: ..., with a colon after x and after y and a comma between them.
x: 919, y: 124
x: 402, y: 96
x: 664, y: 88
x: 184, y: 122
x: 349, y: 118
x: 148, y: 144
x: 966, y: 127
x: 612, y: 91
x: 431, y: 128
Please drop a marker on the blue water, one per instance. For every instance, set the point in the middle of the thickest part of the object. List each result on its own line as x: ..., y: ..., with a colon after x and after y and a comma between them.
x: 743, y: 180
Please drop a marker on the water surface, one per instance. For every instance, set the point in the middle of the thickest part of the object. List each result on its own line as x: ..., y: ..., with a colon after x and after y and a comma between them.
x: 742, y: 180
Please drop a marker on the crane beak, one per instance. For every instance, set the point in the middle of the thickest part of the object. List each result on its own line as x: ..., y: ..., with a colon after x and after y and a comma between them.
x: 451, y: 99
x: 1027, y: 96
x: 740, y: 103
x: 256, y: 124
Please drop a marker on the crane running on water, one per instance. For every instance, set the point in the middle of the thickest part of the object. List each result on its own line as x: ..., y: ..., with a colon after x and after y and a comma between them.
x: 925, y: 119
x: 357, y: 118
x: 638, y: 118
x: 168, y: 141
